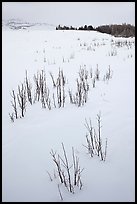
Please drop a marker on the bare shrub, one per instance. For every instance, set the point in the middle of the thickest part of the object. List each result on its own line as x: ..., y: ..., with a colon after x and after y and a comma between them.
x: 94, y: 82
x: 47, y: 98
x: 29, y: 89
x: 14, y: 104
x: 68, y: 174
x: 60, y: 88
x: 94, y: 140
x: 81, y: 95
x: 97, y: 73
x: 108, y: 74
x: 37, y: 89
x: 42, y: 92
x: 91, y: 73
x: 22, y: 98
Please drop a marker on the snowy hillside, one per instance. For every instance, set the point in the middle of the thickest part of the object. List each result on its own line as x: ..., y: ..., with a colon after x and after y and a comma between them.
x: 28, y: 141
x: 18, y: 24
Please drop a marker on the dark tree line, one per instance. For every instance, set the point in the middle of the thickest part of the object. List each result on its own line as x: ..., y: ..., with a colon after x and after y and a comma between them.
x: 85, y: 27
x: 124, y: 30
x: 59, y: 27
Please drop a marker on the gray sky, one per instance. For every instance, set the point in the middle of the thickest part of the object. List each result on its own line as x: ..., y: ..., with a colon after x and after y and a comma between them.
x: 71, y: 13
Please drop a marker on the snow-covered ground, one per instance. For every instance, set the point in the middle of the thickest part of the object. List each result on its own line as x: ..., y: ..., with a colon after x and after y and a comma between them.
x: 26, y: 143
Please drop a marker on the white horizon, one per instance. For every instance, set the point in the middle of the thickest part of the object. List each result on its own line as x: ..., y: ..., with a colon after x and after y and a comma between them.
x: 71, y: 13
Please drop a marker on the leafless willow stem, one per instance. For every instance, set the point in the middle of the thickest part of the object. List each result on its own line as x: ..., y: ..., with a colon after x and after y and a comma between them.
x: 57, y: 162
x: 22, y: 98
x: 54, y: 101
x: 105, y: 153
x: 61, y: 81
x: 11, y: 117
x: 53, y: 81
x: 37, y: 83
x: 93, y: 82
x: 49, y: 176
x: 14, y: 104
x: 94, y: 140
x: 77, y: 170
x: 68, y: 176
x: 99, y: 136
x: 68, y: 168
x: 60, y: 193
x: 97, y: 73
x: 29, y: 89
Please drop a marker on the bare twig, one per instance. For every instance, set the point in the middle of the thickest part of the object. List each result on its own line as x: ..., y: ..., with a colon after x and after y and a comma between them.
x: 60, y: 192
x: 49, y: 176
x: 57, y: 162
x: 53, y: 81
x: 29, y: 88
x: 14, y: 104
x: 11, y: 117
x: 22, y: 99
x: 67, y: 167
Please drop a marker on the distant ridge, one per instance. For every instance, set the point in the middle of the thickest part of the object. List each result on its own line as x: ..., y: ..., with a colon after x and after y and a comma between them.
x: 18, y: 24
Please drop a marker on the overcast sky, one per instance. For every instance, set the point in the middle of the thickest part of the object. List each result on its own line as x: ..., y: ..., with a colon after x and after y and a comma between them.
x: 71, y: 13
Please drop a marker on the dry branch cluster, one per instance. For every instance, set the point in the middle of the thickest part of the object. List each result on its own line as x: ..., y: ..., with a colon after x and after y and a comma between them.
x: 108, y: 74
x: 41, y: 93
x: 94, y: 140
x: 68, y: 174
x: 19, y: 100
x: 81, y: 95
x: 60, y: 86
x: 83, y: 84
x: 56, y: 98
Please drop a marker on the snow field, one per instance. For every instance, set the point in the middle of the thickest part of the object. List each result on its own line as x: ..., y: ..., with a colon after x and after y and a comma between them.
x: 27, y: 142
